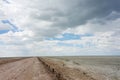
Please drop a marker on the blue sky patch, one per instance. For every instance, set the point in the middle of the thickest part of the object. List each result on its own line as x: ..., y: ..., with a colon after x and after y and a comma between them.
x: 66, y: 36
x: 70, y: 36
x: 3, y: 31
x: 87, y: 44
x: 13, y: 27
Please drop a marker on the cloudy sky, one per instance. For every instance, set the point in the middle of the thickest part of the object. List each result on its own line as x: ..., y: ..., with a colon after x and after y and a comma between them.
x: 59, y: 27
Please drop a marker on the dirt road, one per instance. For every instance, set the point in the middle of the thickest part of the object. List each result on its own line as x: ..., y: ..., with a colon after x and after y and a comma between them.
x: 25, y: 69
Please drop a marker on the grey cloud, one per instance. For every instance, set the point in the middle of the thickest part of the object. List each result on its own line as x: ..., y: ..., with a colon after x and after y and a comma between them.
x: 63, y: 14
x: 48, y: 14
x: 90, y: 9
x: 116, y: 34
x: 78, y: 12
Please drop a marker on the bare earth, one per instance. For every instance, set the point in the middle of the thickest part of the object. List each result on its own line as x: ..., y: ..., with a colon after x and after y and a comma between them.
x: 92, y: 67
x: 60, y: 68
x: 25, y: 69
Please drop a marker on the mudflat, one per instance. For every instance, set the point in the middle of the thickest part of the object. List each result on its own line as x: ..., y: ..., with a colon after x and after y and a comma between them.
x: 97, y: 67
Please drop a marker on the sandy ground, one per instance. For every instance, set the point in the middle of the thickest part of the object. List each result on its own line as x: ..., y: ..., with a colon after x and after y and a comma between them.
x: 25, y: 69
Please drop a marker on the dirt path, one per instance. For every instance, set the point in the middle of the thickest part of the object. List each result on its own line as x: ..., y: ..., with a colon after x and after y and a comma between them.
x: 26, y: 69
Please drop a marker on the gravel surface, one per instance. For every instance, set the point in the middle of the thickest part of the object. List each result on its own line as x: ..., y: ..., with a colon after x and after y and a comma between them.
x: 25, y: 69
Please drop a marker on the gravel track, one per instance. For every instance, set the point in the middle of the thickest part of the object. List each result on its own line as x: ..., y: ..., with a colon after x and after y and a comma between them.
x: 25, y: 69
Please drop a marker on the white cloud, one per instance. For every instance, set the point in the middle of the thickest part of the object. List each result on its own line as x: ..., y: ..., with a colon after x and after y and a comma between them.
x: 40, y: 19
x: 4, y: 26
x: 54, y: 16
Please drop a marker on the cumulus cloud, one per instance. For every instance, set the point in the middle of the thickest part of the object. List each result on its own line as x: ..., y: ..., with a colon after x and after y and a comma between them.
x: 57, y: 14
x: 40, y: 19
x: 95, y: 25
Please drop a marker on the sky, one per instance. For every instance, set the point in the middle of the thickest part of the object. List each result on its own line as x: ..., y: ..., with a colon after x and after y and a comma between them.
x: 59, y: 27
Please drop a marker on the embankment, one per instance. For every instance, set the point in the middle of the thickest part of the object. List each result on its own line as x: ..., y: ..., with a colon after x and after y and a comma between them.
x: 64, y: 72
